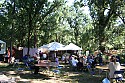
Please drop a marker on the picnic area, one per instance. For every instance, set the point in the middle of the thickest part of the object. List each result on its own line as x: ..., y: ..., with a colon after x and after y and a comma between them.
x: 62, y: 41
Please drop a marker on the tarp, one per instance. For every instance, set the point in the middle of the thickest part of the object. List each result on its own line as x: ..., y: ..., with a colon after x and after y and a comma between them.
x: 32, y: 51
x: 72, y: 46
x: 2, y: 41
x: 3, y: 47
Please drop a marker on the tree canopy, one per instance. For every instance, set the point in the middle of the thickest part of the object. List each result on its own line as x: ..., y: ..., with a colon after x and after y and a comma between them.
x: 32, y: 23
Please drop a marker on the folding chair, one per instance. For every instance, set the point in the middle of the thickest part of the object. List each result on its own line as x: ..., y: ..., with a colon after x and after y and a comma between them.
x: 90, y: 69
x: 16, y: 62
x: 56, y: 72
x: 30, y: 67
x: 119, y: 79
x: 59, y: 67
x: 105, y: 80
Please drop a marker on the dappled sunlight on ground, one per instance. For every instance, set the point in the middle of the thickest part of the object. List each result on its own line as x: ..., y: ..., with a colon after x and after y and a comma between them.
x: 66, y: 75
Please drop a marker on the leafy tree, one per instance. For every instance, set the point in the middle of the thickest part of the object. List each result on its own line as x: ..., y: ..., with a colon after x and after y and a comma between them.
x: 26, y: 19
x: 77, y: 21
x: 101, y: 12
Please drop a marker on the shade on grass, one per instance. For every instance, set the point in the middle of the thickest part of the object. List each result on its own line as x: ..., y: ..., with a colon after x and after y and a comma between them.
x: 65, y: 75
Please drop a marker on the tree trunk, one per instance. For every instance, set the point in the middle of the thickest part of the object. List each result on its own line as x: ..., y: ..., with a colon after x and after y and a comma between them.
x: 29, y: 30
x: 35, y: 39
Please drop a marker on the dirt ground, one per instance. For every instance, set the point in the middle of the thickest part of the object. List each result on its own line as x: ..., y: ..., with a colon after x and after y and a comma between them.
x: 65, y: 75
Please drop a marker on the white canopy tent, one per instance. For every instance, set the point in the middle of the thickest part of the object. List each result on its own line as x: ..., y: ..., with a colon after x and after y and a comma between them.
x: 71, y: 46
x: 53, y: 46
x: 43, y: 48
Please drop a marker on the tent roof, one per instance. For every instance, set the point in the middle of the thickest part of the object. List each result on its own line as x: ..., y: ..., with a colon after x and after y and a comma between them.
x: 72, y: 46
x: 2, y: 41
x: 58, y: 46
x: 44, y: 46
x: 53, y: 46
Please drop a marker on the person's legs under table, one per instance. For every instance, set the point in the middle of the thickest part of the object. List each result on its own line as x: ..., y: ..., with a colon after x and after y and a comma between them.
x: 36, y: 69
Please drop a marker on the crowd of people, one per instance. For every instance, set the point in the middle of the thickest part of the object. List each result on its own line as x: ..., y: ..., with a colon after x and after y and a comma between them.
x: 82, y: 62
x: 90, y: 62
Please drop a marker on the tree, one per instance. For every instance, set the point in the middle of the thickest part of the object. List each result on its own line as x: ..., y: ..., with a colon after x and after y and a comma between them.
x: 101, y: 12
x: 120, y: 12
x: 27, y: 18
x: 77, y: 20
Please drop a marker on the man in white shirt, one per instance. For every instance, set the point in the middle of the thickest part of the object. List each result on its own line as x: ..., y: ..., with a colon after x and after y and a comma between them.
x: 74, y: 62
x: 114, y: 66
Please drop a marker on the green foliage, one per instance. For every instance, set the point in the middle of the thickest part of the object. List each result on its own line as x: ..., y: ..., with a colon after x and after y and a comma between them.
x: 102, y: 12
x: 32, y: 23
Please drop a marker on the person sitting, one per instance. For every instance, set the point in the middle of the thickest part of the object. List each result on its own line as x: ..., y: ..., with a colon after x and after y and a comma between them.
x: 74, y: 62
x: 93, y: 64
x: 100, y: 59
x: 79, y: 65
x: 25, y: 58
x: 114, y: 66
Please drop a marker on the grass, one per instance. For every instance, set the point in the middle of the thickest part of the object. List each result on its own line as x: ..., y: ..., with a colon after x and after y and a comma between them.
x: 65, y: 76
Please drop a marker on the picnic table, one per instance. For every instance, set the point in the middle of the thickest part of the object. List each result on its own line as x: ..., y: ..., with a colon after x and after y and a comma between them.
x: 44, y: 63
x: 105, y: 68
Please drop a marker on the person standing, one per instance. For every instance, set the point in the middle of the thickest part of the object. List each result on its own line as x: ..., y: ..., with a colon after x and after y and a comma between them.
x: 57, y: 60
